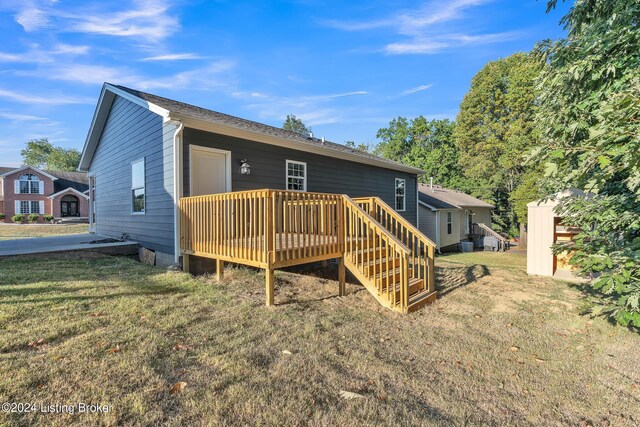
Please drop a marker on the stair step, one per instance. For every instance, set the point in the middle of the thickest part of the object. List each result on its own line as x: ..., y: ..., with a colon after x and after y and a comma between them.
x: 394, y: 274
x: 382, y: 264
x: 415, y: 285
x: 420, y: 299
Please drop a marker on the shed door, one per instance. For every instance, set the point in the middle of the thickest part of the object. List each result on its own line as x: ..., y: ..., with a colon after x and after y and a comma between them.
x: 210, y: 171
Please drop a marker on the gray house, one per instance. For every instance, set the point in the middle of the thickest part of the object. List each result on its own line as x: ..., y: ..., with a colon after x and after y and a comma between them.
x: 449, y: 217
x: 144, y: 152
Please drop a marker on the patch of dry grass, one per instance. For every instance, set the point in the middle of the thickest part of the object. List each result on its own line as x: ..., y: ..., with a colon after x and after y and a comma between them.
x: 499, y: 348
x: 23, y: 231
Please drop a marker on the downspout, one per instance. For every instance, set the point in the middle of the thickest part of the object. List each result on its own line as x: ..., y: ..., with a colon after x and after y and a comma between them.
x: 438, y: 231
x: 177, y: 189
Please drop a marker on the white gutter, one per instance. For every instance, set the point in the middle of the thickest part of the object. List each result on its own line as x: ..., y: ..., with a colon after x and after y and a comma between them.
x: 177, y: 188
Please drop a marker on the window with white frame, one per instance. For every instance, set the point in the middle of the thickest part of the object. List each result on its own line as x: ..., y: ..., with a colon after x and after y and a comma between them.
x: 29, y: 207
x: 137, y: 187
x: 296, y: 176
x: 449, y: 223
x: 400, y: 194
x: 29, y: 184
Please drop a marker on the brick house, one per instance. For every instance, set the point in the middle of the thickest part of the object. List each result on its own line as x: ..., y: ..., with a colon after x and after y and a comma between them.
x: 28, y: 190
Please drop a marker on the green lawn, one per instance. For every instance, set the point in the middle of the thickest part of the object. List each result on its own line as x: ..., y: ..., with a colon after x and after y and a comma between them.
x: 499, y: 348
x: 22, y: 231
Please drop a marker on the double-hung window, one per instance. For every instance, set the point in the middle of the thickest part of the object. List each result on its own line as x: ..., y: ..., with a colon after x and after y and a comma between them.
x: 449, y: 223
x: 296, y: 176
x: 400, y: 194
x: 137, y: 187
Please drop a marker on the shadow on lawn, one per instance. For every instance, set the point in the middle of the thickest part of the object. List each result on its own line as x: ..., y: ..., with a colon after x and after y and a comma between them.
x: 450, y: 278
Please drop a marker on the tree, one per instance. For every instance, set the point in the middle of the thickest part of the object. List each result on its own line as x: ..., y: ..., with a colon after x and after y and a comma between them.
x: 296, y: 125
x: 41, y: 153
x: 360, y: 147
x: 495, y: 128
x: 589, y: 119
x: 425, y: 144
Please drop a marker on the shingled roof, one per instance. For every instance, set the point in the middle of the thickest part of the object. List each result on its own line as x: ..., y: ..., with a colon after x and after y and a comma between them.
x: 76, y: 180
x: 199, y: 113
x: 446, y: 198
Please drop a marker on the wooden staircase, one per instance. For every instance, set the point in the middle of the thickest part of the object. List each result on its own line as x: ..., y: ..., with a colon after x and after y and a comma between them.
x: 394, y: 262
x: 482, y: 230
x: 273, y: 229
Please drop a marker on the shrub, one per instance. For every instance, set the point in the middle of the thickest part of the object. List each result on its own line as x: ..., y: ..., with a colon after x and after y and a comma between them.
x: 48, y: 218
x: 33, y: 218
x: 2, y: 215
x: 17, y: 218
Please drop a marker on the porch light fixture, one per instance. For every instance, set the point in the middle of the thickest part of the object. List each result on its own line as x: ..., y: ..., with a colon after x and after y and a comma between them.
x: 245, y: 168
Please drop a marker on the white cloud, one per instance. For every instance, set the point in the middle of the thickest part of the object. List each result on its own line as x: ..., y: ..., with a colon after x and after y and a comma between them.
x: 314, y: 110
x: 214, y: 75
x: 416, y: 89
x: 146, y: 19
x: 173, y: 57
x: 21, y: 117
x: 32, y: 18
x: 422, y: 29
x: 35, y: 99
x: 38, y: 55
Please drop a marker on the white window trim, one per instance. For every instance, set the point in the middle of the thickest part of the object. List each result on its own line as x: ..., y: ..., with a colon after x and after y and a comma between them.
x: 404, y: 196
x: 286, y: 179
x: 18, y: 204
x: 449, y: 222
x: 144, y: 169
x: 19, y: 181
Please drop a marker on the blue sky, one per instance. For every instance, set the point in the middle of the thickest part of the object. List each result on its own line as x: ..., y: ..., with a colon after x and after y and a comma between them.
x: 345, y: 68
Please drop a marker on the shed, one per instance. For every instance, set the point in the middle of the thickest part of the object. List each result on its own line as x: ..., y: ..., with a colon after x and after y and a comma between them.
x: 544, y: 229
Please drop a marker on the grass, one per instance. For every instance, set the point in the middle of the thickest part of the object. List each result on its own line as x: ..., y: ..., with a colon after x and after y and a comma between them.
x: 22, y: 231
x: 499, y: 348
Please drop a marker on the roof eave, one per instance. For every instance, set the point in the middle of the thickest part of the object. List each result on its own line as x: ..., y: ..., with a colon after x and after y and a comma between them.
x: 107, y: 96
x: 235, y: 131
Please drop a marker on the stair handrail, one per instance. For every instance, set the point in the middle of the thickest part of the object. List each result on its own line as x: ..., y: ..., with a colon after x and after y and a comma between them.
x: 422, y: 260
x: 355, y: 257
x: 484, y: 227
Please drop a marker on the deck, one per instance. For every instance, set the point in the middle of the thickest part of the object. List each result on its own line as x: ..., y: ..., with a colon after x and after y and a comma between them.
x: 272, y: 229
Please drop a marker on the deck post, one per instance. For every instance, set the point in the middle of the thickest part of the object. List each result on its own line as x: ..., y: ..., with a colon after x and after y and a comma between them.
x: 432, y: 272
x: 185, y: 263
x: 269, y: 273
x: 219, y: 269
x: 341, y: 277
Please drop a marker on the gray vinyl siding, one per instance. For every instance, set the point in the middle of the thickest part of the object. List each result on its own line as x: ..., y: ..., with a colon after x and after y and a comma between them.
x: 131, y: 133
x: 325, y: 174
x: 428, y: 223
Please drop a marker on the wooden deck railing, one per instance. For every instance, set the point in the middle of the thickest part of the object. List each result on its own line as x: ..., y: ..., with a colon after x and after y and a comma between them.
x: 422, y: 249
x: 263, y: 228
x: 376, y: 254
x: 276, y: 228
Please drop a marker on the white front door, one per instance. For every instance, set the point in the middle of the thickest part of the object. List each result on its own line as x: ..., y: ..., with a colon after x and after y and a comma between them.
x: 210, y: 171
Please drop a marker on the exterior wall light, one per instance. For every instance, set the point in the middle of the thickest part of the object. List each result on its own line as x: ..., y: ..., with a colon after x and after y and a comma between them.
x: 245, y: 168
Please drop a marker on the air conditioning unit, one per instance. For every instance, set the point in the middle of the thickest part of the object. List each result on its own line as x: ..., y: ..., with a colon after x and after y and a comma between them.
x: 466, y: 246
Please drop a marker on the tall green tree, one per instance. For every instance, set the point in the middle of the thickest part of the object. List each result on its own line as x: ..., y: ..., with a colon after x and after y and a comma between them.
x: 495, y: 129
x: 426, y: 144
x: 589, y: 119
x: 41, y: 153
x: 296, y: 125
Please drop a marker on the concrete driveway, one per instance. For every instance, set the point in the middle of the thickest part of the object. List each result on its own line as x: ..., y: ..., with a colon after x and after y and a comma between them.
x: 74, y: 242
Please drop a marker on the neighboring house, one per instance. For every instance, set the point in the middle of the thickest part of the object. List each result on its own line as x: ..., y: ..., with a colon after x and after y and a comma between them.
x: 143, y: 152
x: 448, y: 216
x: 29, y: 190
